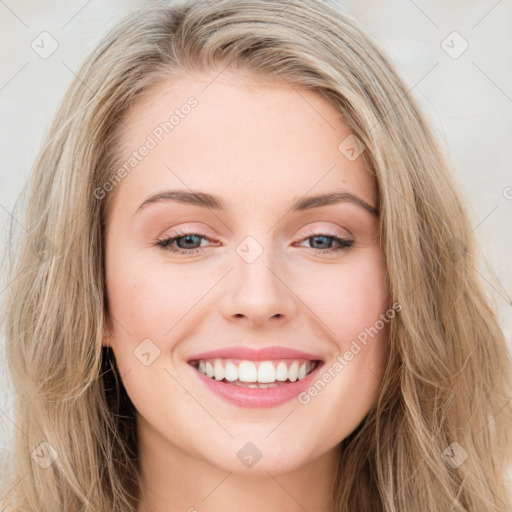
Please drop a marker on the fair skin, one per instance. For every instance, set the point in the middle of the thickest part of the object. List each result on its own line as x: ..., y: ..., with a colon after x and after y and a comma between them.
x: 259, y: 148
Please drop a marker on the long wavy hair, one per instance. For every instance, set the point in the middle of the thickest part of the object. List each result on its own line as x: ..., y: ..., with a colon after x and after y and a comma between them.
x: 438, y: 437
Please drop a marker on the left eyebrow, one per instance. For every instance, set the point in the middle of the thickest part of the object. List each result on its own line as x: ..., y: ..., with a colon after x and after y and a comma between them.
x: 215, y: 202
x: 307, y: 203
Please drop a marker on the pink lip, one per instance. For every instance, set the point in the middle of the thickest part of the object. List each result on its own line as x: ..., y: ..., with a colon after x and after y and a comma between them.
x: 253, y: 397
x: 262, y: 354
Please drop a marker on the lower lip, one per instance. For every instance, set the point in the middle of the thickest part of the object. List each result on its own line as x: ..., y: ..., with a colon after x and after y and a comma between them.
x: 254, y: 397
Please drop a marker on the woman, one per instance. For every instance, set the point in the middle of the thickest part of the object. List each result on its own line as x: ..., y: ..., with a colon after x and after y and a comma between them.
x: 251, y: 369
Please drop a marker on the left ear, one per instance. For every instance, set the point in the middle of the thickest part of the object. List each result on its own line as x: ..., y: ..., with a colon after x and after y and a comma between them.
x: 107, y: 331
x: 106, y: 340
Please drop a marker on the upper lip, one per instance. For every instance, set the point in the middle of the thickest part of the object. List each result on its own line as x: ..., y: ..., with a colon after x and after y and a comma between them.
x: 260, y: 354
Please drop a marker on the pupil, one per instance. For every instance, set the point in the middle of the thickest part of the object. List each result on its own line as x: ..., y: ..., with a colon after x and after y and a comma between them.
x: 321, y: 236
x: 188, y: 240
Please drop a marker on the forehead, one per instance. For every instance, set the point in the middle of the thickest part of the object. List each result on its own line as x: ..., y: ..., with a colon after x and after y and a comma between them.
x: 252, y: 143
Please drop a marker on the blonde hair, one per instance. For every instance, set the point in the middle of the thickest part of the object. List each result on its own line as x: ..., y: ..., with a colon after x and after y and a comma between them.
x: 438, y: 436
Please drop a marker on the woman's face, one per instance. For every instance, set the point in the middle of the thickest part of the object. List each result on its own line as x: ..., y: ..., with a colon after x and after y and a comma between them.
x: 255, y: 272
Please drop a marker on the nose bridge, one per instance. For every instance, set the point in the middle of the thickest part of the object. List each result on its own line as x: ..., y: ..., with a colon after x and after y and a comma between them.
x: 258, y: 290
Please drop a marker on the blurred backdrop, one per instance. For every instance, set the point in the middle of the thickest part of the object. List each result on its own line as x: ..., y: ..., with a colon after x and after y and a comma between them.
x: 456, y: 56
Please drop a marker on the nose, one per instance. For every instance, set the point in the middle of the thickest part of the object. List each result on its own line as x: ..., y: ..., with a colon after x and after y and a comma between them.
x: 258, y: 293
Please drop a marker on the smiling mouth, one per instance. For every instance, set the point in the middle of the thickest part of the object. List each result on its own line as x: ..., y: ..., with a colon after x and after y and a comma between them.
x: 256, y: 374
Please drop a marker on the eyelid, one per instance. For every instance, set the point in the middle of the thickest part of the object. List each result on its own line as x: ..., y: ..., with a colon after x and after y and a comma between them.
x: 186, y: 230
x: 324, y: 231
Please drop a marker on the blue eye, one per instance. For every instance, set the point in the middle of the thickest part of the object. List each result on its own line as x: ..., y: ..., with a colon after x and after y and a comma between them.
x: 343, y: 243
x: 188, y: 243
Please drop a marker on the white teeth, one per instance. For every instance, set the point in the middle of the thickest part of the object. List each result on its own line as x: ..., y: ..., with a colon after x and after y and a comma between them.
x: 281, y: 372
x: 260, y: 374
x: 293, y: 371
x: 231, y: 373
x: 219, y: 370
x: 209, y: 369
x: 266, y: 372
x: 247, y: 372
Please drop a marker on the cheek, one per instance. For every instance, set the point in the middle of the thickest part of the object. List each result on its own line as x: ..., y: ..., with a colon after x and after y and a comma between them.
x: 148, y: 299
x: 349, y: 296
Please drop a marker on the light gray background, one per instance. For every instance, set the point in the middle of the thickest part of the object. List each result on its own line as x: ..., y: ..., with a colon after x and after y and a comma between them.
x: 469, y: 99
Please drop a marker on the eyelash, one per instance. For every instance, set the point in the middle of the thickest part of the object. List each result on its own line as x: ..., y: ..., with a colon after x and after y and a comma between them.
x: 343, y: 243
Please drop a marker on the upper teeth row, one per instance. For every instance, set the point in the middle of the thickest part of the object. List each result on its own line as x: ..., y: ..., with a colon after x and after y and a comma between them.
x: 247, y: 371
